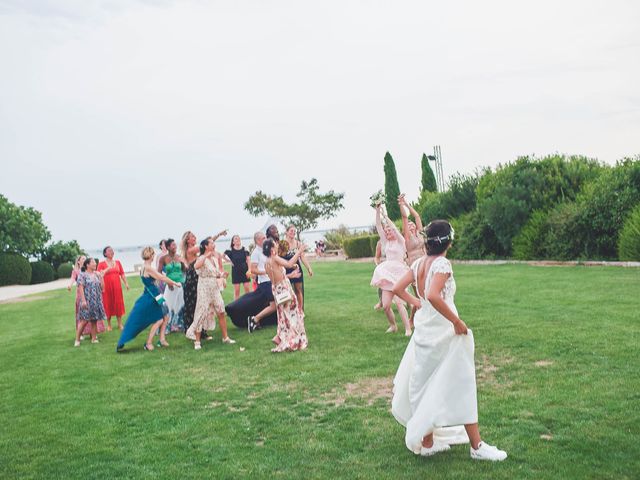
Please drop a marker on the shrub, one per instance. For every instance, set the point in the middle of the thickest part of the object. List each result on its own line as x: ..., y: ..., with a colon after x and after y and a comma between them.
x: 334, y: 239
x: 64, y: 270
x: 529, y: 243
x: 629, y: 242
x: 359, y: 247
x: 14, y: 269
x: 474, y: 238
x: 459, y: 198
x: 41, y: 272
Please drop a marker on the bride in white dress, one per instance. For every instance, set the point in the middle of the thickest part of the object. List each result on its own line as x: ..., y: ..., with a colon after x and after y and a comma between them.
x: 434, y: 393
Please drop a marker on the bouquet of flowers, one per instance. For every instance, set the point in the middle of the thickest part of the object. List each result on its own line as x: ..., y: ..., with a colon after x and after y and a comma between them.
x: 377, y: 198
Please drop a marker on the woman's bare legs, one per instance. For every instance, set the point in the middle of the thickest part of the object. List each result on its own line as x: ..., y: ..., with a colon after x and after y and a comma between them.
x: 152, y: 333
x: 473, y: 432
x: 94, y: 331
x: 120, y: 327
x: 163, y: 331
x: 80, y: 328
x: 246, y: 287
x: 109, y: 324
x: 405, y: 318
x: 297, y: 288
x: 387, y: 303
x: 236, y: 291
x: 222, y: 319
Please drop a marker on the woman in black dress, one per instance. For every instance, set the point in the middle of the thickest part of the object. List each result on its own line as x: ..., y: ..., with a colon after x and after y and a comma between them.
x: 238, y: 257
x: 297, y: 283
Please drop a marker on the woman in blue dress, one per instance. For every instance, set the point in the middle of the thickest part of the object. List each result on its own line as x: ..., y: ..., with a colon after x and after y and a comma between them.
x: 150, y: 308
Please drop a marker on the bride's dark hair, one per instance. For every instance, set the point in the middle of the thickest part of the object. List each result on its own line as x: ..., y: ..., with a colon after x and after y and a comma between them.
x: 439, y: 235
x: 267, y: 247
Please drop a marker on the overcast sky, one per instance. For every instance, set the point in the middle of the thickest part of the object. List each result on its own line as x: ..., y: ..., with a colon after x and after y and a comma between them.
x: 126, y: 121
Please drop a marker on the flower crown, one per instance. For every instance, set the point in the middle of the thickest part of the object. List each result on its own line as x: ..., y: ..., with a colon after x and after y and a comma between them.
x: 442, y: 239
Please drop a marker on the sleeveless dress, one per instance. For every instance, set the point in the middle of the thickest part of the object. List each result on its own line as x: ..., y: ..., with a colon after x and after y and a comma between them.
x: 209, y: 302
x: 175, y: 298
x: 435, y: 385
x: 239, y: 265
x: 291, y: 334
x: 387, y: 273
x: 145, y: 312
x: 290, y: 254
x: 112, y: 296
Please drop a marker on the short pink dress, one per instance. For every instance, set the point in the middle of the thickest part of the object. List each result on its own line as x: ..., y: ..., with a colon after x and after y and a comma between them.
x: 394, y: 267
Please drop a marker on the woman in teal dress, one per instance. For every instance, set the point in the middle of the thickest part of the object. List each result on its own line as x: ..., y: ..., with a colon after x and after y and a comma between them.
x: 150, y: 308
x: 174, y: 267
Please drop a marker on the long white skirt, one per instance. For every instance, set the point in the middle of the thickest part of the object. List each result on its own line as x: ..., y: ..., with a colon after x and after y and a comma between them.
x: 175, y: 304
x: 435, y: 386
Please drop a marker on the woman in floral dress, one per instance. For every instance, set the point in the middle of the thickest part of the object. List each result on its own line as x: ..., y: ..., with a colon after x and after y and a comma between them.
x: 74, y: 278
x: 291, y: 334
x: 209, y: 303
x: 90, y: 285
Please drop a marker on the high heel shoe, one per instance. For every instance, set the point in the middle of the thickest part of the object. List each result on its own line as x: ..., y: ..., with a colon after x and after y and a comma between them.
x: 148, y: 347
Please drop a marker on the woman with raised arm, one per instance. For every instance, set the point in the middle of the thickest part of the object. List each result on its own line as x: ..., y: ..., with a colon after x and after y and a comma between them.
x: 173, y: 266
x: 294, y: 245
x: 209, y: 304
x: 90, y: 310
x: 189, y: 251
x: 291, y: 334
x: 435, y: 385
x: 413, y: 238
x: 387, y: 273
x: 150, y: 308
x: 114, y: 277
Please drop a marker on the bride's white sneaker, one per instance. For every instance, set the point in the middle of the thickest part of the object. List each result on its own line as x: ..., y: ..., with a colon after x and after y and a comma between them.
x: 437, y: 447
x: 488, y: 452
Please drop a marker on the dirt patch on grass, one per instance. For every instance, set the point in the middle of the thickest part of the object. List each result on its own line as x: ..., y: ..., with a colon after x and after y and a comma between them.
x: 543, y: 363
x: 24, y: 299
x: 368, y: 389
x: 487, y: 369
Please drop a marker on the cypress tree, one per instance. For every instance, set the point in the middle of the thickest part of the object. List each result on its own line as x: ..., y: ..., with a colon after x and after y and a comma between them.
x: 429, y: 183
x: 391, y: 187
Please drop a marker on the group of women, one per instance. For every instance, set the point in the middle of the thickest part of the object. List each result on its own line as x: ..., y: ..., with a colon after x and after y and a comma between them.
x: 434, y: 394
x: 183, y: 291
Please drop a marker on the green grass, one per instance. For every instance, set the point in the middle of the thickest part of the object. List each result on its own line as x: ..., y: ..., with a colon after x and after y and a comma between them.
x: 224, y: 413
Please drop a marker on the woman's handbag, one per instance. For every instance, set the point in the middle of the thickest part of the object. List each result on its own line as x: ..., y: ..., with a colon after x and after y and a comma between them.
x: 283, y: 296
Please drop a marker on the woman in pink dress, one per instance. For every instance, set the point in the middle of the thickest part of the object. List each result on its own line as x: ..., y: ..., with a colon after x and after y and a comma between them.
x: 74, y: 278
x: 387, y: 273
x: 112, y: 296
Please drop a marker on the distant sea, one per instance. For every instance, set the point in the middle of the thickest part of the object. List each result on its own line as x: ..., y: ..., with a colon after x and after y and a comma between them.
x: 129, y: 256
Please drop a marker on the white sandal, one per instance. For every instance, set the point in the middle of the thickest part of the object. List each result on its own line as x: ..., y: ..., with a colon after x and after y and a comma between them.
x: 197, y: 345
x: 228, y: 340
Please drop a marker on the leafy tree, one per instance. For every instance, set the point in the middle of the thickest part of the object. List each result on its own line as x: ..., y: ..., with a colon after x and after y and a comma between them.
x: 429, y: 183
x: 459, y: 198
x: 59, y: 252
x: 305, y: 214
x: 391, y: 187
x: 21, y: 229
x: 629, y: 242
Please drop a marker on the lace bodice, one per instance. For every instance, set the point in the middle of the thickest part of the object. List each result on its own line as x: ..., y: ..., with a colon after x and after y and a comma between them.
x: 439, y: 265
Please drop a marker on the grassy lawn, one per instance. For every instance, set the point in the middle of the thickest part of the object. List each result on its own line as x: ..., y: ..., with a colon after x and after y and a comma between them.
x: 558, y: 377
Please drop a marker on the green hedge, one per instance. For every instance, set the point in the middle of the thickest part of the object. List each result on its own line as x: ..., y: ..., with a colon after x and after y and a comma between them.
x: 14, y: 269
x: 629, y: 242
x: 360, y: 247
x: 64, y: 270
x: 41, y: 272
x: 373, y: 240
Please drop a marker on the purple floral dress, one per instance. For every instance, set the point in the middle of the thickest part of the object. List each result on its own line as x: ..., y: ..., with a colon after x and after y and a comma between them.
x: 94, y: 310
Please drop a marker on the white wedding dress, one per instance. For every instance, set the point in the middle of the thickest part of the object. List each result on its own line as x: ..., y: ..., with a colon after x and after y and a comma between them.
x: 435, y: 386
